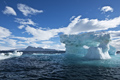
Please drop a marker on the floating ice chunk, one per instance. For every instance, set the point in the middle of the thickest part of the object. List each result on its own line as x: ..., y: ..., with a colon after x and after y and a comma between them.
x: 10, y: 54
x: 2, y: 54
x: 15, y: 53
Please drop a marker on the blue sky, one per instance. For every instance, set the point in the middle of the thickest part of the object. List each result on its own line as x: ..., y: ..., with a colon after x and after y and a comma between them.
x: 40, y: 22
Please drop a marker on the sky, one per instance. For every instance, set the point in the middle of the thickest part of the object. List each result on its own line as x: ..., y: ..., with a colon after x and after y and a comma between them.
x: 39, y: 23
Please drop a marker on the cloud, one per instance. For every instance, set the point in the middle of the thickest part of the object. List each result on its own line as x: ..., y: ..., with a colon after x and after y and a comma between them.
x: 72, y: 18
x: 6, y: 47
x: 40, y: 34
x: 10, y: 11
x: 79, y: 25
x: 26, y: 10
x: 4, y: 32
x: 11, y: 42
x: 76, y: 26
x: 106, y: 9
x: 115, y: 34
x: 5, y: 41
x: 20, y: 38
x: 21, y: 26
x: 116, y: 43
x: 57, y: 46
x: 8, y: 44
x: 2, y: 42
x: 25, y: 21
x: 34, y: 44
x: 47, y: 42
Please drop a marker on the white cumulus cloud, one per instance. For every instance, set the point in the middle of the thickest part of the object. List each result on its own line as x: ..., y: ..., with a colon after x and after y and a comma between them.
x: 21, y: 26
x: 116, y: 43
x: 115, y: 34
x: 47, y: 42
x: 25, y: 21
x: 79, y: 25
x: 10, y: 11
x: 40, y: 34
x: 26, y: 10
x: 76, y: 26
x: 6, y: 47
x: 72, y: 18
x: 11, y: 42
x: 106, y: 9
x: 4, y: 32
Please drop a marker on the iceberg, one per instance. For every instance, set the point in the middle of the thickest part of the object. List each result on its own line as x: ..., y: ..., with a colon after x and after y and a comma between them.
x: 98, y: 43
x: 10, y: 54
x: 16, y: 54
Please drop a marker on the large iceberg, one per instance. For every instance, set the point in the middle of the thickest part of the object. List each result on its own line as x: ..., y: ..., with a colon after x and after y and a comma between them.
x: 98, y: 43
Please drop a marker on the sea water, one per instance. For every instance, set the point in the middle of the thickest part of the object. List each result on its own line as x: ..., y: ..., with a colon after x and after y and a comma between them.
x: 58, y: 67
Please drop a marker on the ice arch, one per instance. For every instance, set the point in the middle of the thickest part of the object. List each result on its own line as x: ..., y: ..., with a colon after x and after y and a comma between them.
x: 98, y: 43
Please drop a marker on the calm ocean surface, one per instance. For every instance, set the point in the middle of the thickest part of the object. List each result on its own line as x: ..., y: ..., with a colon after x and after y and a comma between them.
x: 59, y: 67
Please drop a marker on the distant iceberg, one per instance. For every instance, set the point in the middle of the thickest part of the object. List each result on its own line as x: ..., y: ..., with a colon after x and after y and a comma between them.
x: 98, y: 43
x: 10, y: 54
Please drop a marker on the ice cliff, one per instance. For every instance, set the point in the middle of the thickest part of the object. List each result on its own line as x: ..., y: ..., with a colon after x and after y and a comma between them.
x: 98, y: 43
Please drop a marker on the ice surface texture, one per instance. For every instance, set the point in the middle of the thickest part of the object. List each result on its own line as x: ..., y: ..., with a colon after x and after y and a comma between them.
x: 112, y: 50
x: 98, y: 43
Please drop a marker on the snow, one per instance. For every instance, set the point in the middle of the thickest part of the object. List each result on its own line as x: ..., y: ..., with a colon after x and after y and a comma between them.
x: 98, y: 43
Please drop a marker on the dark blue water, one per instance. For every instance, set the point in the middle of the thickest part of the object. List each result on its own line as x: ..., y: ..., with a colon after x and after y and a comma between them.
x: 59, y: 67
